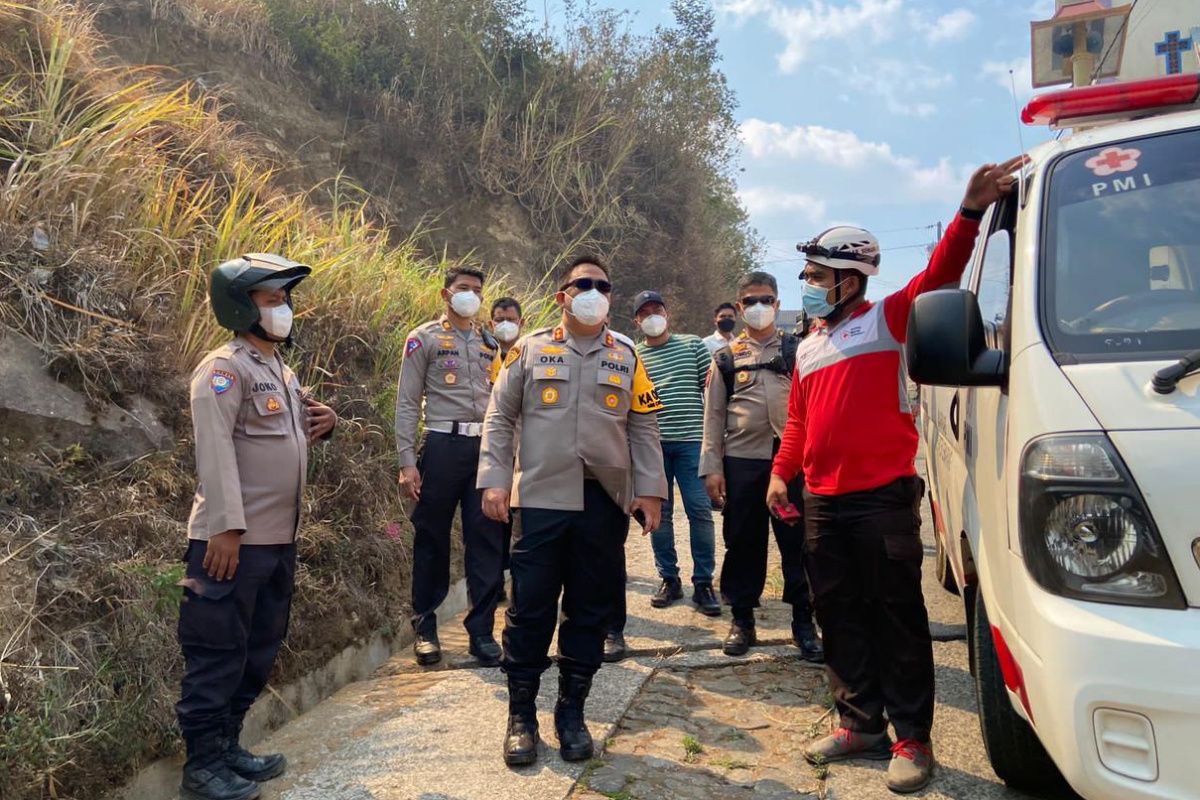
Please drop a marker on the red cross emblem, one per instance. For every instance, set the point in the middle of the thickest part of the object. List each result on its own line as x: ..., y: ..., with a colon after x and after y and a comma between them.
x: 1114, y: 160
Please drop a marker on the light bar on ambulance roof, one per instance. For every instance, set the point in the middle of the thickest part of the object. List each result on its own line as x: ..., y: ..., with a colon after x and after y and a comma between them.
x: 1112, y: 99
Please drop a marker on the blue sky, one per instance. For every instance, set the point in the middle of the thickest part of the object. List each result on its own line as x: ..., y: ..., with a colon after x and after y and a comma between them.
x: 868, y: 112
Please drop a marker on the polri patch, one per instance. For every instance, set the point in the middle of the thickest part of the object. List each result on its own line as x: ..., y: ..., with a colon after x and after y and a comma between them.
x: 411, y: 346
x: 221, y: 381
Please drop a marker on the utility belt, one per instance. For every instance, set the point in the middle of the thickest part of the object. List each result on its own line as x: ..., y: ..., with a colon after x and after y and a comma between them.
x: 472, y: 429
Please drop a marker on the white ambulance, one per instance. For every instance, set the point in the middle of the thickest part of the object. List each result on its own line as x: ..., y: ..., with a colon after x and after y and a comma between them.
x: 1060, y: 413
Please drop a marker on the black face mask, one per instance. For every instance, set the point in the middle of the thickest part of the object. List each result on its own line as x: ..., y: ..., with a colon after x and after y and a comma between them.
x: 726, y: 325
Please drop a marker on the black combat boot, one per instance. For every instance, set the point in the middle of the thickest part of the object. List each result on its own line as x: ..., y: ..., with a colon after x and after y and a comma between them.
x: 521, y: 740
x: 804, y: 636
x: 614, y: 647
x: 485, y: 650
x: 206, y: 776
x: 741, y: 637
x: 574, y: 741
x: 427, y: 649
x: 246, y: 764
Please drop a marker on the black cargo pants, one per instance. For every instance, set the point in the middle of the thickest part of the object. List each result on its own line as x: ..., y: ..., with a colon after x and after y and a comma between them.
x: 448, y: 465
x: 744, y: 530
x: 580, y: 555
x: 230, y: 632
x: 864, y: 559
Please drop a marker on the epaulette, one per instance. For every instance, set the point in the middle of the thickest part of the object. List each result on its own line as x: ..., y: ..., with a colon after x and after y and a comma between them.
x: 623, y: 339
x: 225, y: 351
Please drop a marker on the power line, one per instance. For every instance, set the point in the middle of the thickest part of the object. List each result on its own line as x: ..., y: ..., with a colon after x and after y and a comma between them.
x: 1116, y: 38
x: 889, y: 230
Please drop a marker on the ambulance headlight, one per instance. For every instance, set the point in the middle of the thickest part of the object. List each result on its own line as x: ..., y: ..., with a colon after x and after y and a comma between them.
x: 1085, y: 529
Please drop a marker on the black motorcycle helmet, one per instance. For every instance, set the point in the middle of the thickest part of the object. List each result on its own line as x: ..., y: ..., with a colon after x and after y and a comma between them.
x: 230, y: 285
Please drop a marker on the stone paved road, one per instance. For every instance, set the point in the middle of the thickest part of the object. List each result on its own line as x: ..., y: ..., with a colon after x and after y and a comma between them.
x: 679, y: 720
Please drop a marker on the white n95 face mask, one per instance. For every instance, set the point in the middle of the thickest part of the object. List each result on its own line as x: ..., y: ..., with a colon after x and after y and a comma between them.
x: 654, y: 325
x: 759, y: 316
x: 465, y: 304
x: 506, y: 331
x: 276, y: 321
x: 590, y: 307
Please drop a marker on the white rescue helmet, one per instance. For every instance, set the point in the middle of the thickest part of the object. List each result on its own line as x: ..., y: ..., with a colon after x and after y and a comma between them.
x: 844, y: 247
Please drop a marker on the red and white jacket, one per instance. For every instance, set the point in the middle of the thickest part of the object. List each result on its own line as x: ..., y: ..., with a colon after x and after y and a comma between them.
x: 850, y: 423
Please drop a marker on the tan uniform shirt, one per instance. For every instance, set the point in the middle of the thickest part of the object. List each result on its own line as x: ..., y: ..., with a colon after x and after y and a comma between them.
x: 754, y: 417
x: 249, y: 419
x: 452, y: 370
x: 586, y: 409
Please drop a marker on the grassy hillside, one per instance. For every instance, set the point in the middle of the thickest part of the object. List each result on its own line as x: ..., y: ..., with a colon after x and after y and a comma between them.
x: 503, y: 139
x: 139, y: 190
x: 120, y: 188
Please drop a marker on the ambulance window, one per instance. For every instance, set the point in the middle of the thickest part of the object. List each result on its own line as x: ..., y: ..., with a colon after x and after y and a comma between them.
x: 994, y: 278
x: 1120, y: 257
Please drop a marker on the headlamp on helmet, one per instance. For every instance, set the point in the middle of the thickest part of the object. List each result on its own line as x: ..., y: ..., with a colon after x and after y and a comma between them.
x: 844, y: 247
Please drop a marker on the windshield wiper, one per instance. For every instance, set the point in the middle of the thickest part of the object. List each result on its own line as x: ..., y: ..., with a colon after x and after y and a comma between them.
x: 1167, y: 378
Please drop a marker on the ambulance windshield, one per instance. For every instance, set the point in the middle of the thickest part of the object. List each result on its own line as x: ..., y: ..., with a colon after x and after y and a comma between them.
x: 1121, y: 256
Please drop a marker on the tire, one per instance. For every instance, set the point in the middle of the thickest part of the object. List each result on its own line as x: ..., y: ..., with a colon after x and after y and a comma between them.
x: 1017, y: 756
x: 945, y: 575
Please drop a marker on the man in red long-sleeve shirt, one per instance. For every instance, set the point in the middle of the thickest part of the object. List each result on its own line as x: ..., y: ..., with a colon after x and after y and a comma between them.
x: 850, y: 432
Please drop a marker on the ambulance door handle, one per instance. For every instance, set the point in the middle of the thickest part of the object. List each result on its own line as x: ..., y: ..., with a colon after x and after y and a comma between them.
x: 954, y: 416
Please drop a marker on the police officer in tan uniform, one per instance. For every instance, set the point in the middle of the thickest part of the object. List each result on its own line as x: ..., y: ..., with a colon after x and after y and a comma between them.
x: 448, y: 364
x: 745, y: 411
x: 574, y: 406
x: 253, y: 424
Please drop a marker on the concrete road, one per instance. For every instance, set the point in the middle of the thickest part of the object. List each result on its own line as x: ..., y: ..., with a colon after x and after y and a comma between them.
x: 435, y: 733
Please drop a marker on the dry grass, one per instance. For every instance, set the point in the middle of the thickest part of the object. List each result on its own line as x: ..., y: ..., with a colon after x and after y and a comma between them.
x: 116, y: 197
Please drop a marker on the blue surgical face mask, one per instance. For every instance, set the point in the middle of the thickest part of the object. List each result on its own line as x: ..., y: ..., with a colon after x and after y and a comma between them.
x: 815, y: 301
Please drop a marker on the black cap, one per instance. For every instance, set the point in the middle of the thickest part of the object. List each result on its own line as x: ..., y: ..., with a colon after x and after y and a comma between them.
x: 647, y: 297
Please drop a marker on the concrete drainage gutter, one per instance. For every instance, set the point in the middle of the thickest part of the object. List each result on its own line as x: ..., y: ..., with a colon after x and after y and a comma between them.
x: 278, y: 706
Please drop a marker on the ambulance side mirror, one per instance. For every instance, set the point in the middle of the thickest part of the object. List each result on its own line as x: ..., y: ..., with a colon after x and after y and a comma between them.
x: 946, y: 342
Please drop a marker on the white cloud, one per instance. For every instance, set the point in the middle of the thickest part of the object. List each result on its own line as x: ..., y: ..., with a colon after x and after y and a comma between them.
x: 882, y: 171
x: 817, y: 21
x: 1022, y: 75
x: 863, y: 22
x: 1037, y: 10
x: 952, y: 26
x: 901, y: 86
x: 770, y: 200
x: 837, y: 148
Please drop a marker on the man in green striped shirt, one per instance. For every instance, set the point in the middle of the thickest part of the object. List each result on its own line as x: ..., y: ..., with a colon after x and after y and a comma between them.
x: 678, y: 366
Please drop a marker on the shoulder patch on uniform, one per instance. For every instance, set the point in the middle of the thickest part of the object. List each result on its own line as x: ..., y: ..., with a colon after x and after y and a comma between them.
x: 221, y: 381
x: 622, y: 338
x: 560, y: 334
x: 645, y: 396
x: 512, y: 356
x: 412, y: 345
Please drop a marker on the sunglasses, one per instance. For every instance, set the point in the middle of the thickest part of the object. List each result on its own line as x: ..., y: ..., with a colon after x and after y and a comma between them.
x: 587, y: 284
x: 765, y: 299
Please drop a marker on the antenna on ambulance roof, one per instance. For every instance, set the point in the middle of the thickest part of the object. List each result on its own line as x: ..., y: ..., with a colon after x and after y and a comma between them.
x: 1012, y: 81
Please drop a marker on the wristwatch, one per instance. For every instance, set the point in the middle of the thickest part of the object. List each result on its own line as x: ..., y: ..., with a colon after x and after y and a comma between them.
x: 970, y: 213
